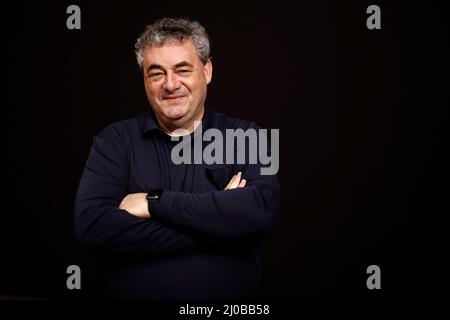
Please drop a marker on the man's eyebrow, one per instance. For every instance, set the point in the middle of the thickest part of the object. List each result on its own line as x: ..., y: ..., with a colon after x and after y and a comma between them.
x: 183, y: 64
x: 178, y: 65
x: 154, y: 66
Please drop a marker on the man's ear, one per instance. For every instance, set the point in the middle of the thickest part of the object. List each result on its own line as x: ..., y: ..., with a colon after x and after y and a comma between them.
x: 208, y: 71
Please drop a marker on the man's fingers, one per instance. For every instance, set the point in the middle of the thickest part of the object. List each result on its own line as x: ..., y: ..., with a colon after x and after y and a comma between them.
x: 242, y: 183
x: 229, y: 183
x: 234, y: 182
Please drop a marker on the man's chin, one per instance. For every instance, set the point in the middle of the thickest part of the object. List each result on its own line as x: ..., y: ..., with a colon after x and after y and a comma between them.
x: 175, y: 116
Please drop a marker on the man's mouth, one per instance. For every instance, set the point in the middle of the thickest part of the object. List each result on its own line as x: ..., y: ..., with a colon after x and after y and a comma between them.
x: 174, y: 100
x: 173, y: 97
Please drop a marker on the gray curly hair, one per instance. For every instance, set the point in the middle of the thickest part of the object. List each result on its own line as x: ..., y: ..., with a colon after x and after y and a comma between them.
x: 173, y: 29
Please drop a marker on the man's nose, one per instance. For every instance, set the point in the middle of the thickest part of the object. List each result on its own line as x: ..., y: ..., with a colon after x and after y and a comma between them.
x: 171, y: 83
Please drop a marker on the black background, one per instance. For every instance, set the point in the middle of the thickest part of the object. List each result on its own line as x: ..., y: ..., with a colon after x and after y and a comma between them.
x: 361, y: 113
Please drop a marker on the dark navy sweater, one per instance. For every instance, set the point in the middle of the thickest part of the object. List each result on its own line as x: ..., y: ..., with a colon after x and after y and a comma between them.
x: 202, y: 242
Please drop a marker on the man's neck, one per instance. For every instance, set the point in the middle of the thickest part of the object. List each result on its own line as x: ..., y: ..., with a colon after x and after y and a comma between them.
x: 188, y: 126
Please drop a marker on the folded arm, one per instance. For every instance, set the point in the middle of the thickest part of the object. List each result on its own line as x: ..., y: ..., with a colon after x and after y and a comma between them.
x: 226, y: 214
x: 99, y: 223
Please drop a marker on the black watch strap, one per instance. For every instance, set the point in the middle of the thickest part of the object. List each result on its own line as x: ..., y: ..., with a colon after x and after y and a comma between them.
x: 153, y: 197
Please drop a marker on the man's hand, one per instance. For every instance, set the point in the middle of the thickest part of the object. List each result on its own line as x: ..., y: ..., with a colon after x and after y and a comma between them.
x: 136, y: 204
x: 236, y: 182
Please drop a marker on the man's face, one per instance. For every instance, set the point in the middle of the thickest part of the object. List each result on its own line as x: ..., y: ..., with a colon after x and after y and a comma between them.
x: 175, y: 81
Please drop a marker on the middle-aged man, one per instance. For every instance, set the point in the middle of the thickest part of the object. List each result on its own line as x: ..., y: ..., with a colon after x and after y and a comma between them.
x: 167, y: 230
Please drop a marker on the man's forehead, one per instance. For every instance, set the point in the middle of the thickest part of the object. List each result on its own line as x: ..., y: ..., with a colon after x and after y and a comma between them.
x: 170, y: 53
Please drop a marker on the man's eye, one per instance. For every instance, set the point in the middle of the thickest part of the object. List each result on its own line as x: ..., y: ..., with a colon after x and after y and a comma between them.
x: 184, y: 71
x: 155, y: 75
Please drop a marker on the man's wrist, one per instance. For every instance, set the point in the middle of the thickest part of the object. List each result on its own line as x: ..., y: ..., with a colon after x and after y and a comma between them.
x: 153, y: 197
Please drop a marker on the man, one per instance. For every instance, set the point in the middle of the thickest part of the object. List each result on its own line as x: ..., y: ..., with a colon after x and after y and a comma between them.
x: 166, y: 230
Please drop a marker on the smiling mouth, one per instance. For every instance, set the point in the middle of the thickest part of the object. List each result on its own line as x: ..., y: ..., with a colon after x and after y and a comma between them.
x: 172, y: 101
x: 173, y: 98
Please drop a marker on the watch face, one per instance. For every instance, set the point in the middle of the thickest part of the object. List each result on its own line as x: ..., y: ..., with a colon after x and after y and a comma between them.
x: 152, y: 196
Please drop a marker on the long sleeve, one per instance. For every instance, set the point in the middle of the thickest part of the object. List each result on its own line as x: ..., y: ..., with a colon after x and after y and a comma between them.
x: 100, y: 225
x: 226, y: 214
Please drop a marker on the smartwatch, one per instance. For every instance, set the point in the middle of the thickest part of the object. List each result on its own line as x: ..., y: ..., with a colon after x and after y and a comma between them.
x: 153, y: 197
